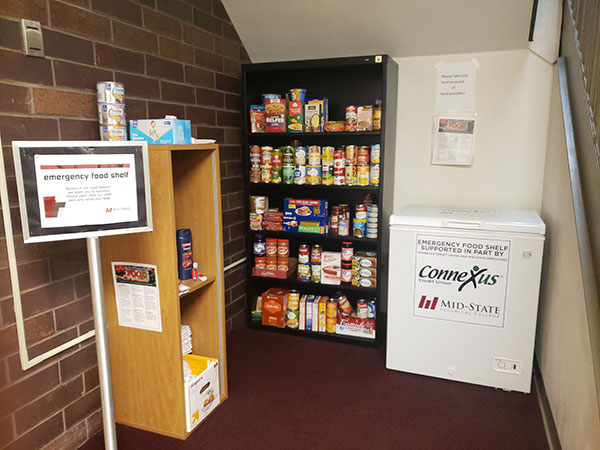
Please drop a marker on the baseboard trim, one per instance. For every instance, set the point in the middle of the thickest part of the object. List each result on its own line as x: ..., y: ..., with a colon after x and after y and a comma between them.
x: 547, y: 417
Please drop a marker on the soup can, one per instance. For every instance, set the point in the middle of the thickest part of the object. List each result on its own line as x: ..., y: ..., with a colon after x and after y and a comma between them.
x: 350, y: 172
x: 288, y: 174
x: 327, y: 175
x: 111, y: 114
x: 314, y: 155
x: 362, y: 156
x: 339, y: 176
x: 351, y: 155
x: 300, y: 156
x: 313, y: 174
x: 297, y: 94
x: 255, y: 154
x: 288, y: 154
x: 375, y: 154
x: 300, y: 174
x: 331, y: 322
x: 265, y: 173
x: 339, y: 159
x: 110, y: 92
x: 113, y: 132
x: 362, y: 309
x: 362, y: 176
x: 266, y: 156
x: 304, y: 254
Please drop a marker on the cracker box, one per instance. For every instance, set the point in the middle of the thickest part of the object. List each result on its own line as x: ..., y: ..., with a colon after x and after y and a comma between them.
x: 309, y: 310
x: 315, y: 313
x: 274, y: 306
x: 302, y: 313
x: 331, y: 267
x: 323, y: 314
x: 353, y: 326
x: 312, y: 118
x: 161, y: 131
x: 275, y: 115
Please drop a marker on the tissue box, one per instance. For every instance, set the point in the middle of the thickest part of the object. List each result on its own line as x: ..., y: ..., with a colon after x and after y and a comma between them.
x: 161, y: 131
x: 202, y: 391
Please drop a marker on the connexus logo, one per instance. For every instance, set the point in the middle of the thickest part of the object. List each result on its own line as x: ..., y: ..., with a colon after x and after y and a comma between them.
x: 474, y: 276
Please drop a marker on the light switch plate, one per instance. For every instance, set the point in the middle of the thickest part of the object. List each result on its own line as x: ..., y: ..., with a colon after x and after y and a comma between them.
x: 32, y: 38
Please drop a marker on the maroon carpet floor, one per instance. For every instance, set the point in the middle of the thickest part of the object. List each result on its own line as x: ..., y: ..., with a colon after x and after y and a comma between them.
x: 287, y: 392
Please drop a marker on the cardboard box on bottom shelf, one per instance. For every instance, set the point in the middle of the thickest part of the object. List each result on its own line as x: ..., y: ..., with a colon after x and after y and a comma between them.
x: 202, y: 390
x: 353, y: 326
x: 274, y: 306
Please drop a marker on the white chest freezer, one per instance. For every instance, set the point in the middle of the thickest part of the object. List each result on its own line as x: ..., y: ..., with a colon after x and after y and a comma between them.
x: 463, y: 294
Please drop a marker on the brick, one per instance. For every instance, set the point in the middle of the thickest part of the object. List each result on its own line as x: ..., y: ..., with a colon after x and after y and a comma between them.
x: 91, y: 378
x: 66, y: 265
x: 236, y: 200
x: 198, y: 115
x: 163, y: 68
x: 55, y: 400
x: 207, y: 21
x: 82, y: 3
x: 227, y: 48
x: 86, y: 326
x: 28, y: 128
x: 156, y: 109
x: 121, y: 9
x: 15, y: 99
x: 8, y: 313
x: 229, y: 153
x: 229, y: 32
x: 231, y: 184
x: 179, y: 93
x: 3, y: 376
x: 205, y: 5
x: 26, y: 9
x: 208, y: 60
x: 116, y: 58
x: 232, y: 67
x: 227, y: 83
x: 82, y: 285
x: 32, y: 252
x: 176, y: 50
x: 73, y: 313
x: 233, y: 216
x: 219, y: 10
x: 29, y: 388
x: 233, y: 102
x: 64, y: 46
x: 237, y: 230
x: 47, y: 297
x: 136, y: 109
x: 39, y: 327
x: 72, y: 438
x: 78, y: 76
x: 8, y: 341
x: 94, y: 423
x: 175, y: 8
x: 6, y: 430
x: 40, y: 435
x: 234, y: 276
x: 78, y: 362
x: 64, y: 103
x: 229, y: 119
x: 10, y: 34
x: 82, y: 408
x: 53, y: 342
x: 208, y: 97
x: 234, y: 247
x: 5, y: 284
x: 79, y: 21
x: 199, y: 77
x: 244, y: 57
x: 235, y: 169
x: 150, y: 3
x: 198, y: 38
x: 138, y: 86
x: 162, y: 24
x: 235, y: 307
x: 135, y: 38
x: 33, y: 274
x: 238, y: 320
x: 209, y: 133
x: 74, y: 129
x: 17, y: 66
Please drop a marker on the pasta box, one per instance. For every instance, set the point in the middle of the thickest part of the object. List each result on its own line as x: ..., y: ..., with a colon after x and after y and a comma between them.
x: 305, y: 208
x: 293, y: 223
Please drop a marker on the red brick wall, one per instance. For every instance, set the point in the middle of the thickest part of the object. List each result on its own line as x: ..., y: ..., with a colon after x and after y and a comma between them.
x: 178, y: 57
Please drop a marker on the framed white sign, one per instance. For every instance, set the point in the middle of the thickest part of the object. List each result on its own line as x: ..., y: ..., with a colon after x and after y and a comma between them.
x: 80, y: 189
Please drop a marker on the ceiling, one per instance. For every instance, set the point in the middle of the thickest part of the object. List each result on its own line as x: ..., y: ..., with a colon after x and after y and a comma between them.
x: 279, y: 30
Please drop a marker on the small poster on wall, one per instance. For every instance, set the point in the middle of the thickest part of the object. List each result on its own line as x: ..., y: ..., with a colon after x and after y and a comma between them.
x: 453, y: 139
x: 138, y: 298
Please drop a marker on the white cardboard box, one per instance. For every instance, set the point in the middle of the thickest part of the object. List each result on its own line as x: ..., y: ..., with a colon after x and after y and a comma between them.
x: 202, y: 393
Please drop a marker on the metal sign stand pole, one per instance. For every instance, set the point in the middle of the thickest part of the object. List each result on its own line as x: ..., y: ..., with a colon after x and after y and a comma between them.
x: 108, y: 413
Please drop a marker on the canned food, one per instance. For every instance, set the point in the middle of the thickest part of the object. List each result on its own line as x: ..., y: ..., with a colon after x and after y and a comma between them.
x: 350, y: 174
x: 346, y: 272
x: 297, y: 94
x: 347, y: 251
x: 304, y: 272
x: 374, y: 175
x: 260, y: 262
x: 266, y: 156
x: 362, y: 309
x: 111, y: 114
x: 113, y: 132
x: 343, y: 226
x: 276, y: 174
x: 316, y: 273
x: 300, y: 156
x: 328, y: 155
x: 327, y: 175
x: 350, y: 123
x: 362, y: 177
x: 331, y: 308
x: 359, y: 227
x: 343, y: 303
x: 110, y: 92
x: 288, y: 174
x: 314, y: 155
x: 255, y: 153
x: 360, y: 212
x: 372, y: 310
x: 292, y: 318
x: 375, y: 154
x: 288, y: 154
x: 300, y: 175
x: 331, y: 323
x: 362, y: 156
x: 351, y: 155
x: 339, y: 159
x: 277, y: 157
x: 315, y: 254
x: 304, y: 254
x: 283, y: 247
x: 313, y: 174
x: 265, y: 173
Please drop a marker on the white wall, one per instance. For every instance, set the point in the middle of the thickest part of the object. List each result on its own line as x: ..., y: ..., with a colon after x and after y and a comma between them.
x: 512, y: 99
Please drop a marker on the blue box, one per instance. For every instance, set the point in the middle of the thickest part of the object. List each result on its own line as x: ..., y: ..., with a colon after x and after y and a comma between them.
x: 313, y: 224
x: 161, y: 131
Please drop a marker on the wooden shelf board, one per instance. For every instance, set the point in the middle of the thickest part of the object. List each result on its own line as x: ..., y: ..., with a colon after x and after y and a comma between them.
x: 194, y: 285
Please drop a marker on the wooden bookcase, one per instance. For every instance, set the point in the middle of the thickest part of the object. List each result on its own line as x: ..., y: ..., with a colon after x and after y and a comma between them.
x: 359, y: 80
x: 147, y: 372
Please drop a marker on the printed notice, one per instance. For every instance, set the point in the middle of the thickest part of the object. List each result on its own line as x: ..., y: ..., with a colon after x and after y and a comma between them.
x: 455, y: 87
x: 461, y: 279
x: 453, y: 140
x: 138, y: 299
x: 78, y: 190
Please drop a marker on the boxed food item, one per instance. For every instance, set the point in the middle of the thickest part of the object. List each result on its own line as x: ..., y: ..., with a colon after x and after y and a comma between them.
x: 364, y: 259
x: 323, y: 314
x: 334, y: 126
x: 312, y: 118
x: 295, y: 117
x: 364, y: 272
x: 257, y: 118
x: 161, y: 131
x: 315, y: 313
x: 309, y: 312
x: 331, y: 267
x: 353, y: 326
x: 302, y: 313
x: 305, y: 208
x: 274, y: 306
x: 364, y: 118
x: 294, y: 224
x: 275, y: 115
x: 257, y: 310
x: 364, y: 282
x: 202, y: 390
x: 324, y: 113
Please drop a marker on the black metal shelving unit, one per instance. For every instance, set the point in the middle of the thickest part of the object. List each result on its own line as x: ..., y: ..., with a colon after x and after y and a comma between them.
x: 344, y: 81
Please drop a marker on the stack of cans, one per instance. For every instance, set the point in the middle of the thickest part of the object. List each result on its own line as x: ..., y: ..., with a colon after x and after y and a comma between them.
x: 313, y: 170
x: 111, y: 111
x: 255, y: 160
x: 350, y: 166
x: 339, y: 167
x: 327, y: 162
x: 362, y: 173
x: 300, y: 164
x: 288, y: 165
x: 372, y: 221
x: 375, y: 161
x: 266, y: 160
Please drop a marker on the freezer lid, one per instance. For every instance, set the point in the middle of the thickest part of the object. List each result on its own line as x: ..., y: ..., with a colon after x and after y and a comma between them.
x: 511, y: 220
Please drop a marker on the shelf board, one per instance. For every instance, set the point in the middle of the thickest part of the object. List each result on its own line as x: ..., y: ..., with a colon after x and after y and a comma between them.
x: 313, y: 237
x: 315, y: 187
x: 311, y: 334
x: 319, y: 134
x: 194, y: 285
x: 310, y: 286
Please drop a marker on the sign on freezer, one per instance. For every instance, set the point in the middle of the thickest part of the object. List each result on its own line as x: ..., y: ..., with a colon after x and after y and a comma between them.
x: 461, y: 279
